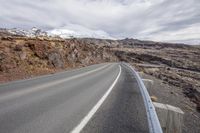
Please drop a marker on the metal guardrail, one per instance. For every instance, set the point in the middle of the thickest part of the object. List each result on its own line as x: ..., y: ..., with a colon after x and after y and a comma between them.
x: 154, y: 124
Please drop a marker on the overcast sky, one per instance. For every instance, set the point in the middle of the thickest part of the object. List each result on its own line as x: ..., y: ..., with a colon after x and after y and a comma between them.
x: 161, y: 20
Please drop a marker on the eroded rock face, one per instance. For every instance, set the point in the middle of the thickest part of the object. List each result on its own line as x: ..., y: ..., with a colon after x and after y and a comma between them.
x: 2, y: 56
x: 39, y: 48
x: 72, y: 57
x: 193, y: 94
x: 7, y: 65
x: 55, y: 59
x: 18, y: 48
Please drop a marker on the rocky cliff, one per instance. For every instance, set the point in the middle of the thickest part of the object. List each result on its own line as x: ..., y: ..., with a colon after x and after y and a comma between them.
x: 22, y: 57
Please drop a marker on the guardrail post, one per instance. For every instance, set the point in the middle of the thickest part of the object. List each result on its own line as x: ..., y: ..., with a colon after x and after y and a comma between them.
x: 148, y: 83
x: 170, y: 117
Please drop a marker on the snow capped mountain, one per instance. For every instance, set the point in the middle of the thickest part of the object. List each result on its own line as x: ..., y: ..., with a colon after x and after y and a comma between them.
x: 68, y: 33
x: 34, y: 32
x: 79, y: 32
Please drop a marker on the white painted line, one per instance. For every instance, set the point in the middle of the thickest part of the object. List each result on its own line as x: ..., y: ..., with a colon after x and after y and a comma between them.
x: 86, y: 119
x: 46, y: 85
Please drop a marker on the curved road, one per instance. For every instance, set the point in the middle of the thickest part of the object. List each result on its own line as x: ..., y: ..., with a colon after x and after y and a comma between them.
x: 102, y: 98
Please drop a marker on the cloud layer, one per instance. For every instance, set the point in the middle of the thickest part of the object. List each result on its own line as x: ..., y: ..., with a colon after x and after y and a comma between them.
x: 162, y: 20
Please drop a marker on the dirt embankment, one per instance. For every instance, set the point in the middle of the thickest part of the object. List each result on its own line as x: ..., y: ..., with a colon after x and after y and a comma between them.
x: 22, y: 57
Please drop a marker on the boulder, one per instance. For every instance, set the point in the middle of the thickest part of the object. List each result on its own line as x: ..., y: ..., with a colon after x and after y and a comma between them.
x: 40, y: 49
x: 22, y: 55
x: 18, y: 48
x: 56, y: 59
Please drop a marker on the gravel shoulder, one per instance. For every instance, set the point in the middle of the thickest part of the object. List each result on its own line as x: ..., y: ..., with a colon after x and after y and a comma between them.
x: 174, y: 96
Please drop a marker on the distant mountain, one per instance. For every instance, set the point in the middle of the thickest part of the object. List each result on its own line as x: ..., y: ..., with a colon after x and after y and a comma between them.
x: 188, y: 41
x: 68, y: 33
x: 34, y: 32
x: 62, y: 32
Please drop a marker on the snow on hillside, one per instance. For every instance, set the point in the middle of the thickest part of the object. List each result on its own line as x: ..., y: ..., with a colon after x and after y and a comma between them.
x: 62, y: 32
x: 29, y: 33
x: 86, y: 33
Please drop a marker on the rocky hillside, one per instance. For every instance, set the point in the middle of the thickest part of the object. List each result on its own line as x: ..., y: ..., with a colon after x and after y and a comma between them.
x: 175, y: 65
x: 22, y: 57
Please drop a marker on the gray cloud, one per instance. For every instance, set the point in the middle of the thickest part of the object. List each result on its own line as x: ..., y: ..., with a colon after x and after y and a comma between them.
x: 161, y: 20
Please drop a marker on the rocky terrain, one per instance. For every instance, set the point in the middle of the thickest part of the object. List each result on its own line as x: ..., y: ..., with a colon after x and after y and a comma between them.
x: 23, y: 57
x: 175, y: 67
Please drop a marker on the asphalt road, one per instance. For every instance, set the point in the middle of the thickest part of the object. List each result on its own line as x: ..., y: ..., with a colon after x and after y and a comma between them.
x: 102, y: 98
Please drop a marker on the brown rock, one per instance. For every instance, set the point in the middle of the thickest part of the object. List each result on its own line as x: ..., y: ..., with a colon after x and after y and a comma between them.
x: 154, y: 98
x: 39, y: 48
x: 198, y: 107
x: 18, y: 48
x: 8, y: 65
x: 2, y: 55
x: 22, y: 55
x: 56, y: 60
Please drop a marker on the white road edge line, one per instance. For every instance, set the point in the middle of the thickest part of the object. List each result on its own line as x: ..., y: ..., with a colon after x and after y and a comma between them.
x: 86, y: 119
